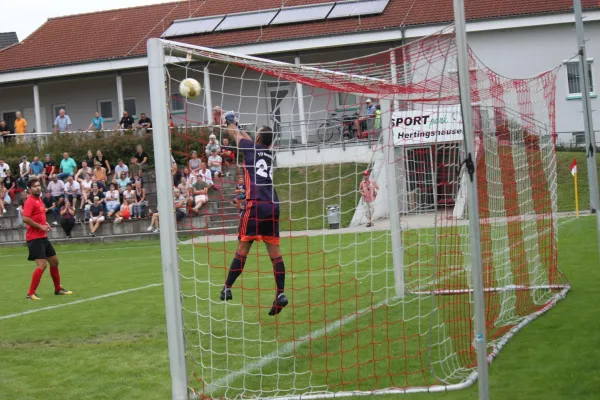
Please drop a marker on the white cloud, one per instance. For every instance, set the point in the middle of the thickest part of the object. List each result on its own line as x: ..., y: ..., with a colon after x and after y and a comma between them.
x: 25, y: 16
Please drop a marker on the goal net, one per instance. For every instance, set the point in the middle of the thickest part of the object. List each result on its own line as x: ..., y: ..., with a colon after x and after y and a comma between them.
x: 368, y: 168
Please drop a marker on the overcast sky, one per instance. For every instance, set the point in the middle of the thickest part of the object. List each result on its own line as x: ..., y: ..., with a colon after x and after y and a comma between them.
x: 25, y: 16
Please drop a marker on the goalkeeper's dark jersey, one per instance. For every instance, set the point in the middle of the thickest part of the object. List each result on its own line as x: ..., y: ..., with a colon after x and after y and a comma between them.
x: 258, y: 171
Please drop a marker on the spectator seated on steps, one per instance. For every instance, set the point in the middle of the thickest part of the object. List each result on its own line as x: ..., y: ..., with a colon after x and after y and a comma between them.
x: 96, y: 215
x: 211, y: 145
x: 214, y: 163
x: 72, y: 191
x: 240, y: 192
x: 51, y: 206
x: 112, y: 200
x: 95, y: 192
x: 123, y: 214
x: 57, y: 188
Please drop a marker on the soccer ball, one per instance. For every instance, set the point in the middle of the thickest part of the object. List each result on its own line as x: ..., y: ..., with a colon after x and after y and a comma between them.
x: 190, y: 88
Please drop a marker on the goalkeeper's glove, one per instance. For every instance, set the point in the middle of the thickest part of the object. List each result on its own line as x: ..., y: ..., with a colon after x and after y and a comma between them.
x: 231, y: 118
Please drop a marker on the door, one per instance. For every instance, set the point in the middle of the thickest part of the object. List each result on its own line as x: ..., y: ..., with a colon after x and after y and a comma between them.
x: 9, y: 117
x: 420, y: 177
x: 282, y: 108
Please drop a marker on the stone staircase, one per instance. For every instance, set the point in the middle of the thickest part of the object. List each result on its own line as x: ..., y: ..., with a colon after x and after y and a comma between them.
x: 217, y: 217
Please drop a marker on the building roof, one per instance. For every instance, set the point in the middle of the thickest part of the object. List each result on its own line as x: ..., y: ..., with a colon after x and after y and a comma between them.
x: 8, y: 39
x: 122, y: 33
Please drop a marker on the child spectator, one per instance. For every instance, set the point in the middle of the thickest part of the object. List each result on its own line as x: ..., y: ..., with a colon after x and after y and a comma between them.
x: 214, y: 163
x: 68, y: 218
x: 240, y: 191
x: 124, y: 213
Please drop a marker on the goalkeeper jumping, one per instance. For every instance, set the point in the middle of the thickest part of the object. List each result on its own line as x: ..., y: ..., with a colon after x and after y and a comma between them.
x: 260, y: 216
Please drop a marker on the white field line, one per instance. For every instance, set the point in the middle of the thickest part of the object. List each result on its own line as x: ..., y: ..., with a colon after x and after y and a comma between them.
x: 288, y: 348
x: 104, y: 296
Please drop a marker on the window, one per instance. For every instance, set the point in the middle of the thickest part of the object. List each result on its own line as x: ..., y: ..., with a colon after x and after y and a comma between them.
x: 579, y: 138
x: 346, y: 100
x: 130, y: 106
x: 56, y: 109
x: 573, y: 81
x: 9, y: 116
x: 105, y: 108
x: 177, y: 103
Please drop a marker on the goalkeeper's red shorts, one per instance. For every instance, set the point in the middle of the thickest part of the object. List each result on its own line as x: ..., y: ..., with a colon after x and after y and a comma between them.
x: 260, y: 222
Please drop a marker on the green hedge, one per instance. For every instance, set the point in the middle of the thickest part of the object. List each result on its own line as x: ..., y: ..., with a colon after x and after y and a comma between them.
x: 112, y: 145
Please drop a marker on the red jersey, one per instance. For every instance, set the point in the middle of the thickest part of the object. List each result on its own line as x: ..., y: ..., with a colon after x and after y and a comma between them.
x: 34, y: 208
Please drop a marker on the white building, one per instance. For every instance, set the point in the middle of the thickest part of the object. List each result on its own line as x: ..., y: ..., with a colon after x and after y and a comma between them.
x: 97, y: 62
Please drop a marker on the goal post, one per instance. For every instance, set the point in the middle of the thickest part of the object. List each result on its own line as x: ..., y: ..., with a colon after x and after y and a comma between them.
x: 168, y: 234
x: 385, y: 304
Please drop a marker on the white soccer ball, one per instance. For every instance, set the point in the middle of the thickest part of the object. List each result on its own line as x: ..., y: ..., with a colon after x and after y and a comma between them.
x: 190, y: 88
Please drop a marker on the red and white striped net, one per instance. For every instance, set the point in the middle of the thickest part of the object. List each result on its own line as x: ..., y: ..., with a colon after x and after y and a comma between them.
x: 361, y: 320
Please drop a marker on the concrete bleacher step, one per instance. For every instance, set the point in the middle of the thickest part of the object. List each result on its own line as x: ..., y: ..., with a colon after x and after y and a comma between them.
x: 199, y: 225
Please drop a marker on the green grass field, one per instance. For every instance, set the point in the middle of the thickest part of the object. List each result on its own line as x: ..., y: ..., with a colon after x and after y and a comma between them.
x: 115, y: 346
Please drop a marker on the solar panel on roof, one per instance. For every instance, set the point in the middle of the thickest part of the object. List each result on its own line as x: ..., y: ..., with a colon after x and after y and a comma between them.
x: 192, y: 26
x: 247, y: 20
x: 356, y: 8
x: 302, y: 14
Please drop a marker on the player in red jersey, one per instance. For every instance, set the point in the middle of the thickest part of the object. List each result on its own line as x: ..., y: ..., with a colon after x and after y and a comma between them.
x: 40, y: 248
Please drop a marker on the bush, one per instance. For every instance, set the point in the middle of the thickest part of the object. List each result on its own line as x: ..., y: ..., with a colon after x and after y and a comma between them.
x: 112, y: 145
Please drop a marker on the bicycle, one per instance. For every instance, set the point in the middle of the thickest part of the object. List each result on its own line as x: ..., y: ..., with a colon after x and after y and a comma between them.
x: 334, y: 124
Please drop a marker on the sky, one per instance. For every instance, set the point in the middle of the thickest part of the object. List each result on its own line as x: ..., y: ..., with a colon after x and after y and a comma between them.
x: 25, y: 16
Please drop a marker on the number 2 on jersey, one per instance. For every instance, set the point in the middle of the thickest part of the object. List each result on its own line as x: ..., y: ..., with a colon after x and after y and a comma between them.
x: 262, y: 169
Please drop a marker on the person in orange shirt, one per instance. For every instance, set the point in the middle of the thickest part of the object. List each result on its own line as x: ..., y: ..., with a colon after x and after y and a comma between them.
x: 20, y: 127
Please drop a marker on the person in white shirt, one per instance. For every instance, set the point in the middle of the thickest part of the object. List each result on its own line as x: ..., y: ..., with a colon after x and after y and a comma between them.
x: 119, y: 169
x: 129, y: 195
x: 3, y: 168
x: 73, y: 191
x: 112, y: 200
x: 205, y: 176
x: 23, y: 172
x: 214, y: 163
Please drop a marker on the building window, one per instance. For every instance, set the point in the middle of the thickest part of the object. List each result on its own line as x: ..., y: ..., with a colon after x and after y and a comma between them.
x: 573, y: 81
x: 129, y: 104
x: 56, y: 109
x: 579, y: 138
x: 347, y: 100
x: 177, y: 103
x: 105, y: 108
